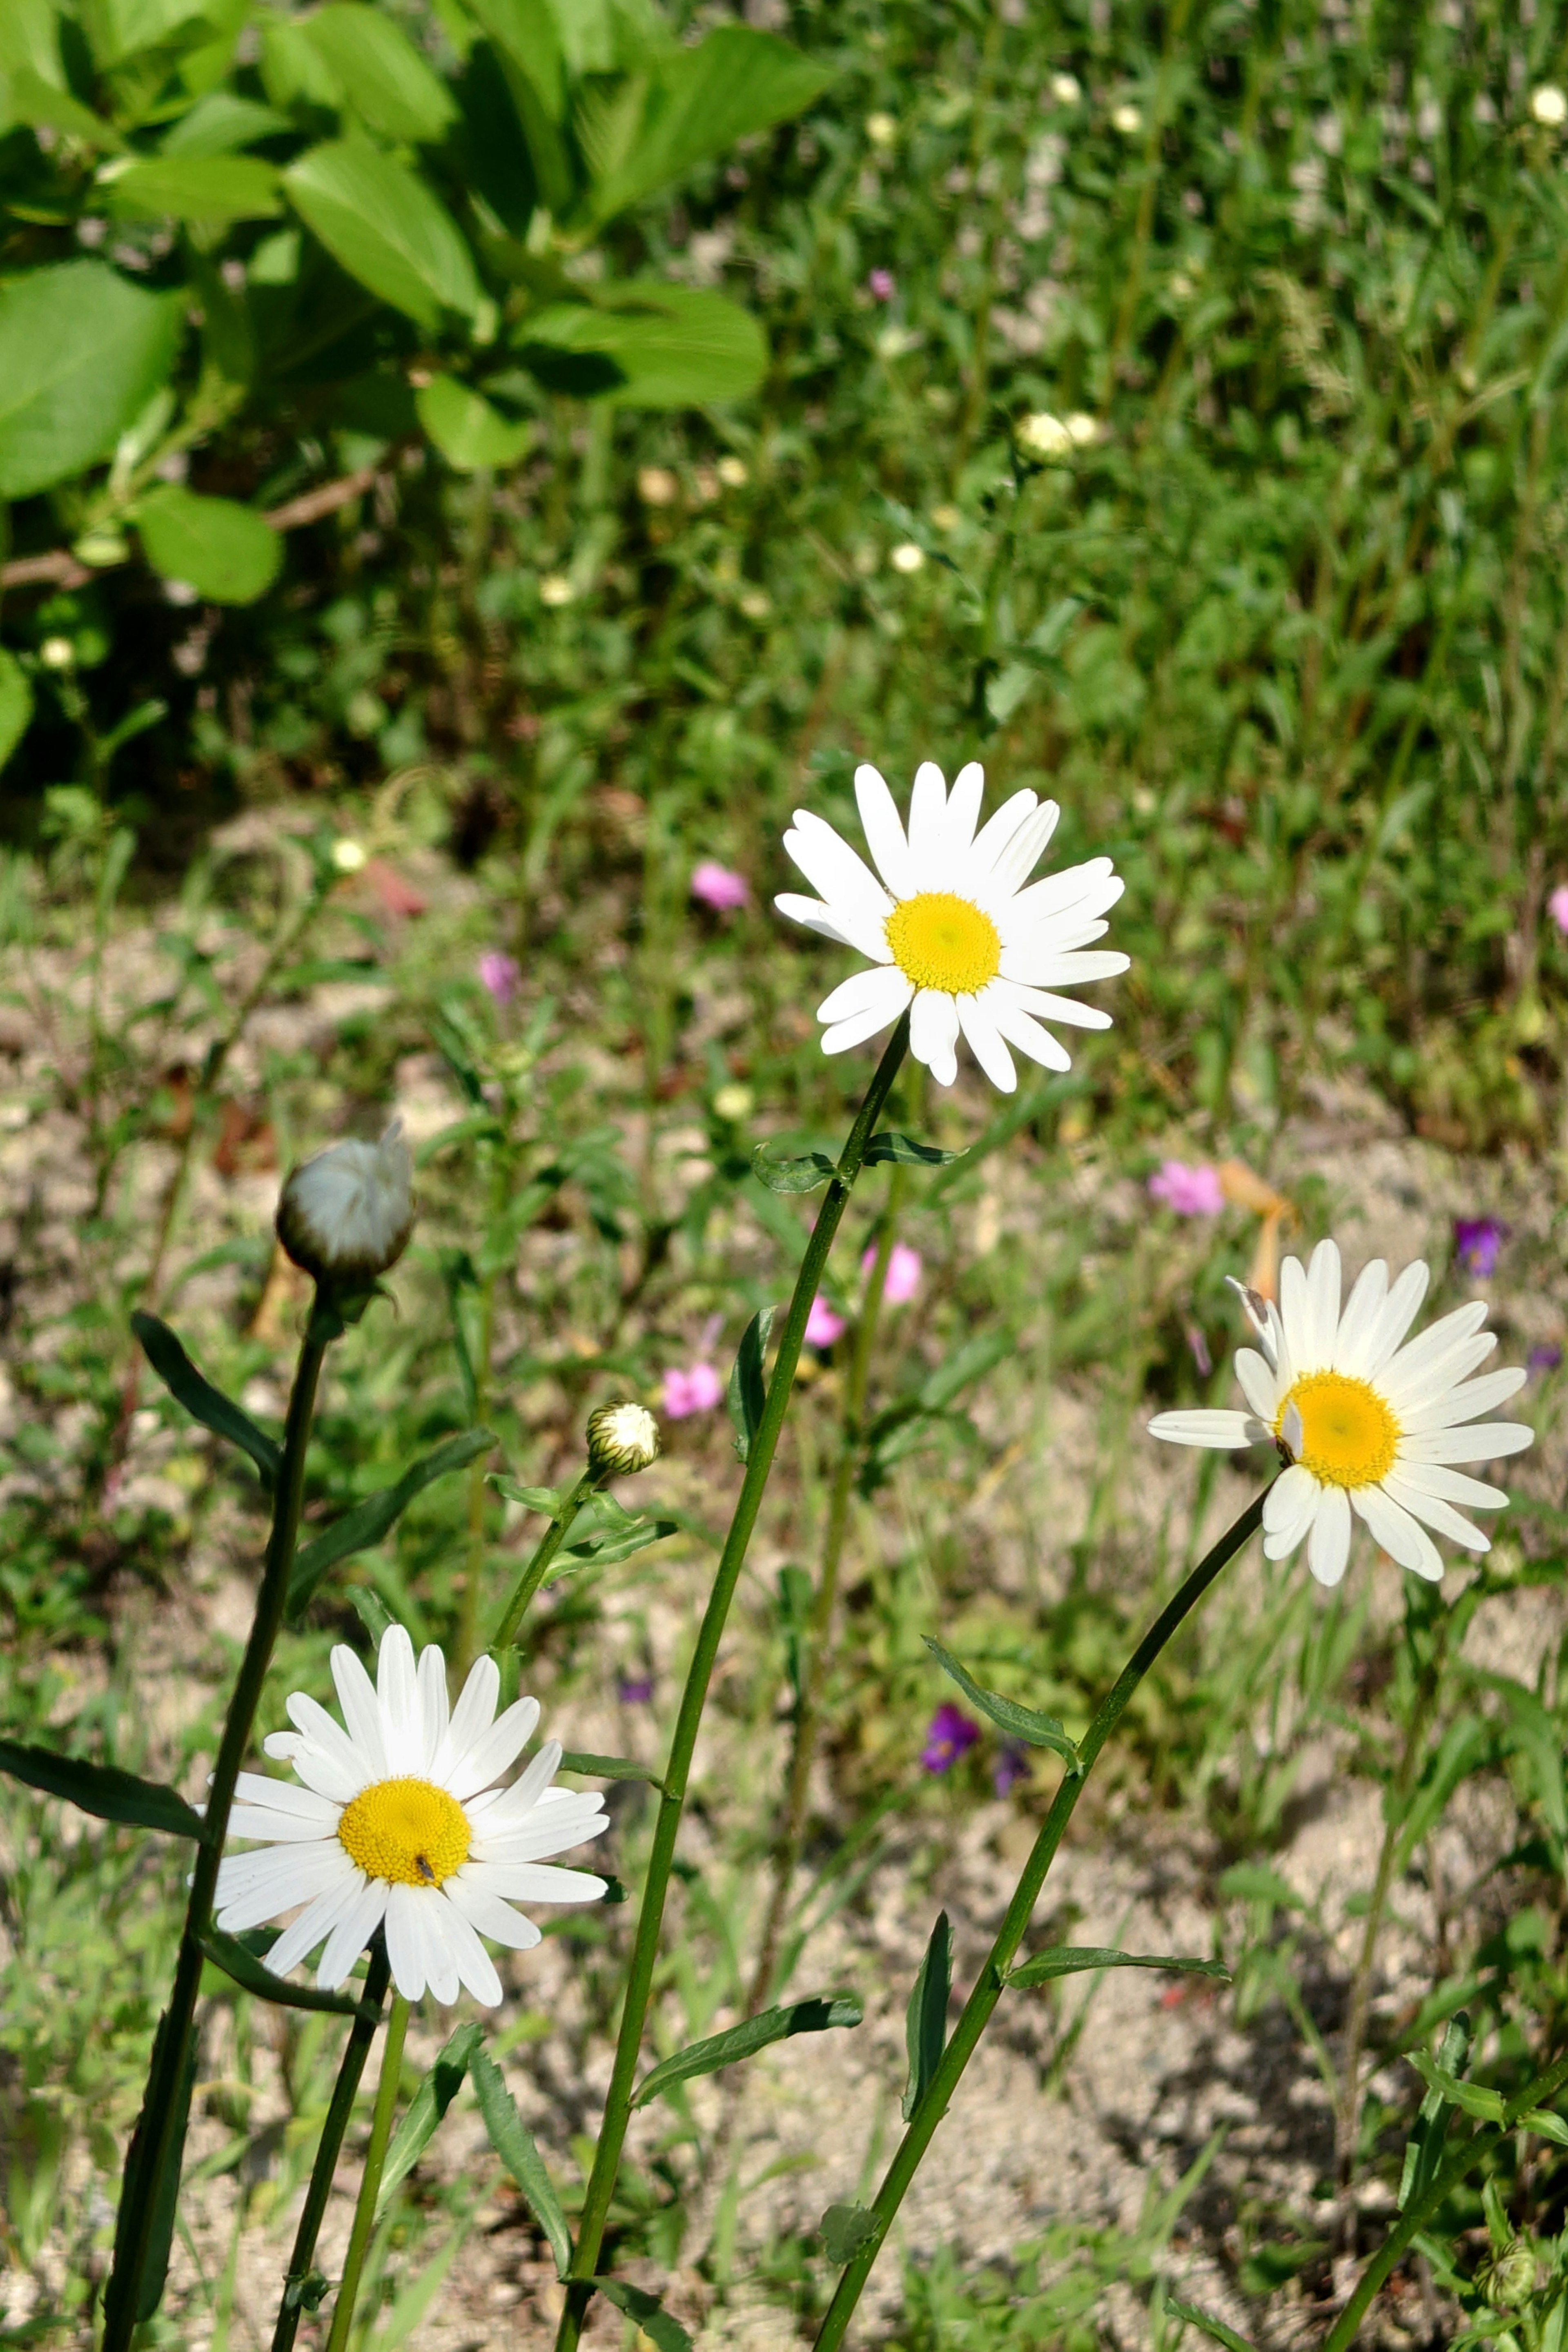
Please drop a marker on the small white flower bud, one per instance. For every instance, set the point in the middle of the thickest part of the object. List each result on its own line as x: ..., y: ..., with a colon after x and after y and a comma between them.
x: 621, y: 1438
x: 348, y: 854
x: 346, y: 1215
x: 1548, y: 105
x: 57, y: 653
x: 1044, y: 436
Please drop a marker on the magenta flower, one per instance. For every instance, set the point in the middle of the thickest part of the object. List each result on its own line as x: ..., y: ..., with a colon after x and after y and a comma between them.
x: 951, y: 1735
x: 903, y: 1274
x: 634, y: 1690
x: 1190, y: 1191
x: 1477, y: 1244
x: 1557, y: 907
x: 1012, y: 1765
x: 880, y: 285
x: 697, y: 1390
x: 720, y: 889
x: 821, y: 1326
x: 499, y: 975
x: 1544, y: 1358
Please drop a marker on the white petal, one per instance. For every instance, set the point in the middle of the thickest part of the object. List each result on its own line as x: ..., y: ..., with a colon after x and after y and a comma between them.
x: 1360, y: 1318
x: 1206, y: 1427
x: 315, y: 1923
x: 845, y: 1034
x: 999, y: 828
x: 928, y: 807
x: 883, y: 991
x: 1015, y: 863
x: 1049, y: 1006
x: 433, y: 1706
x: 351, y: 1934
x: 280, y: 1828
x: 1478, y: 1441
x: 834, y: 870
x: 1454, y: 1485
x: 1257, y: 1384
x: 471, y: 1717
x: 1045, y: 967
x: 985, y: 1044
x: 1077, y: 895
x: 1399, y: 1311
x: 1464, y: 1403
x: 405, y: 1942
x: 884, y: 833
x: 1437, y: 1381
x: 397, y: 1694
x: 535, y: 1882
x: 262, y: 1884
x: 1022, y: 1029
x: 812, y: 914
x: 540, y: 1835
x: 1402, y: 1538
x: 470, y: 1962
x: 1432, y: 1512
x: 287, y: 1797
x: 325, y: 1736
x: 566, y: 1825
x: 1329, y: 1545
x: 1296, y: 1315
x: 1437, y: 1341
x: 356, y: 1696
x: 1289, y: 1509
x: 443, y: 1976
x: 1323, y: 1301
x: 487, y: 1913
x: 494, y: 1749
x: 963, y: 812
x: 934, y: 1033
x: 326, y: 1776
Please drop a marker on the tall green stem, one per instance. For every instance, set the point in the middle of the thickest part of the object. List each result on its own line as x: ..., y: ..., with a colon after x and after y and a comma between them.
x: 361, y: 2034
x: 545, y: 1551
x: 369, y: 2184
x: 156, y: 2145
x: 672, y: 1797
x: 991, y: 1982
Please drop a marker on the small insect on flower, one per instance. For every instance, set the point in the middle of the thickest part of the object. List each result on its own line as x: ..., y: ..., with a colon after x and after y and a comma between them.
x: 346, y: 1214
x: 954, y: 936
x: 622, y: 1439
x: 396, y: 1821
x: 1364, y: 1424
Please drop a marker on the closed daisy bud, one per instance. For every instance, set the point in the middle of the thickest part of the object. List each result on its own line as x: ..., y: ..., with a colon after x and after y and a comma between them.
x: 622, y: 1438
x: 346, y: 1215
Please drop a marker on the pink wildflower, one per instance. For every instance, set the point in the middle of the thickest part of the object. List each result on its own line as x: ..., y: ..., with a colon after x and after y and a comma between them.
x: 903, y: 1274
x: 697, y: 1390
x: 821, y: 1326
x: 880, y: 285
x: 1190, y: 1191
x: 499, y: 975
x: 1557, y: 907
x: 720, y: 889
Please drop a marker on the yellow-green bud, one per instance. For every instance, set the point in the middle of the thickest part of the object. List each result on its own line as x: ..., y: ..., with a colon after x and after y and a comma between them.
x: 622, y: 1438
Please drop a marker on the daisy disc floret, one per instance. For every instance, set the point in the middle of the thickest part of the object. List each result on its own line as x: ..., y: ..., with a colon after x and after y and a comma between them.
x: 396, y: 1821
x: 956, y: 934
x: 1369, y: 1422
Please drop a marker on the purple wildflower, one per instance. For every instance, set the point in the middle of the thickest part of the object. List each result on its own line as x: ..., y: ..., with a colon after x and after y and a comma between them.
x: 1190, y: 1191
x: 1012, y: 1766
x: 1477, y: 1244
x: 1544, y: 1358
x: 499, y: 975
x: 634, y: 1690
x: 880, y: 286
x: 951, y: 1735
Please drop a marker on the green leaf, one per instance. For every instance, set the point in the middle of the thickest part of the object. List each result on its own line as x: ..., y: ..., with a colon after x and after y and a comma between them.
x: 215, y: 188
x: 970, y: 1362
x: 170, y: 2082
x: 225, y: 552
x: 528, y: 42
x: 427, y: 2107
x: 1474, y: 2098
x: 646, y: 345
x: 201, y: 1399
x: 239, y: 1963
x: 605, y: 1546
x: 818, y: 2014
x: 1550, y: 2127
x: 82, y: 353
x: 380, y: 71
x: 221, y: 123
x: 748, y: 1391
x: 699, y: 101
x: 102, y: 1789
x: 513, y: 2143
x: 925, y: 2025
x: 366, y: 1523
x: 1257, y: 1882
x: 802, y: 1175
x: 381, y: 222
x: 1073, y: 1959
x: 33, y: 99
x: 905, y: 1149
x: 1215, y: 2328
x: 1424, y: 2149
x: 607, y: 1767
x: 846, y: 2231
x: 664, y: 2332
x: 1018, y: 1722
x: 467, y: 430
x: 371, y: 1611
x: 16, y: 704
x: 546, y: 1500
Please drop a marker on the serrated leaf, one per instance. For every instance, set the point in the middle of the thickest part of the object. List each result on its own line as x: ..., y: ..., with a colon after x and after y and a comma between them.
x: 16, y: 704
x: 383, y: 224
x: 1075, y: 1960
x: 82, y: 353
x: 646, y: 344
x: 468, y: 432
x: 1023, y: 1723
x: 846, y: 2231
x: 427, y: 2107
x: 369, y: 1521
x: 102, y: 1790
x: 925, y: 2024
x: 820, y: 2014
x: 748, y: 1391
x: 226, y: 552
x: 804, y: 1175
x: 907, y: 1152
x: 607, y: 1767
x: 662, y: 2330
x: 201, y: 1399
x: 237, y: 1962
x: 514, y: 2144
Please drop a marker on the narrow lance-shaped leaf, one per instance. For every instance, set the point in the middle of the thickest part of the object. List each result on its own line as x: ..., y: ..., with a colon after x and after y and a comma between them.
x: 1424, y: 2149
x: 906, y: 1151
x: 607, y: 1767
x: 1018, y: 1722
x: 201, y: 1399
x: 428, y: 2105
x: 168, y: 2095
x: 253, y: 1976
x: 804, y: 1175
x: 816, y: 2015
x: 1474, y: 2098
x: 366, y: 1523
x: 662, y: 2329
x: 513, y: 2143
x: 925, y: 2026
x: 748, y: 1389
x: 103, y: 1789
x: 1076, y: 1959
x: 1214, y: 2328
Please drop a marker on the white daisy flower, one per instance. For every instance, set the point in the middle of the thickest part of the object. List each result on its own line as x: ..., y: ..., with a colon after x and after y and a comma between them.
x: 398, y: 1821
x: 346, y: 1214
x: 954, y: 936
x: 1368, y: 1425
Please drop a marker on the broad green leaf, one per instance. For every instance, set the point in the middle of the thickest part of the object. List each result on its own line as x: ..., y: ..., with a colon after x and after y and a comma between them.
x: 120, y: 28
x: 1258, y: 1882
x: 748, y: 1391
x: 925, y: 2023
x: 82, y: 353
x: 1550, y: 2127
x: 607, y: 1767
x: 427, y: 2107
x: 31, y: 97
x: 226, y: 552
x: 381, y: 222
x: 1215, y: 2328
x: 820, y: 2014
x: 528, y: 42
x: 239, y: 1963
x: 16, y: 704
x: 664, y: 2332
x: 380, y: 71
x: 29, y: 38
x: 648, y: 346
x: 467, y: 430
x: 699, y: 101
x: 201, y: 1399
x: 221, y: 123
x: 216, y: 188
x: 1075, y: 1960
x: 1475, y: 2100
x: 804, y: 1175
x: 294, y: 71
x: 513, y: 2143
x: 906, y: 1150
x: 546, y: 1500
x: 102, y: 1789
x: 1018, y: 1722
x: 366, y: 1523
x: 847, y: 2230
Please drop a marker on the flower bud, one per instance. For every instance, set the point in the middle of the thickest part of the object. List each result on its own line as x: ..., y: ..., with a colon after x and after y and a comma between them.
x: 346, y: 1215
x: 622, y: 1438
x: 1510, y: 2277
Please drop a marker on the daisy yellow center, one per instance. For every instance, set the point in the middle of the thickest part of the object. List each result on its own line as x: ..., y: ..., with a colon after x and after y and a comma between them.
x: 940, y: 941
x: 1349, y: 1437
x: 406, y: 1831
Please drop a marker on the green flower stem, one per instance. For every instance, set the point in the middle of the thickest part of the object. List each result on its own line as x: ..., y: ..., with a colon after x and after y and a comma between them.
x: 154, y: 2145
x: 1405, y: 2232
x: 533, y: 1575
x: 361, y: 2034
x: 369, y: 2184
x: 819, y: 1632
x: 989, y: 1984
x: 672, y: 1797
x: 474, y: 1585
